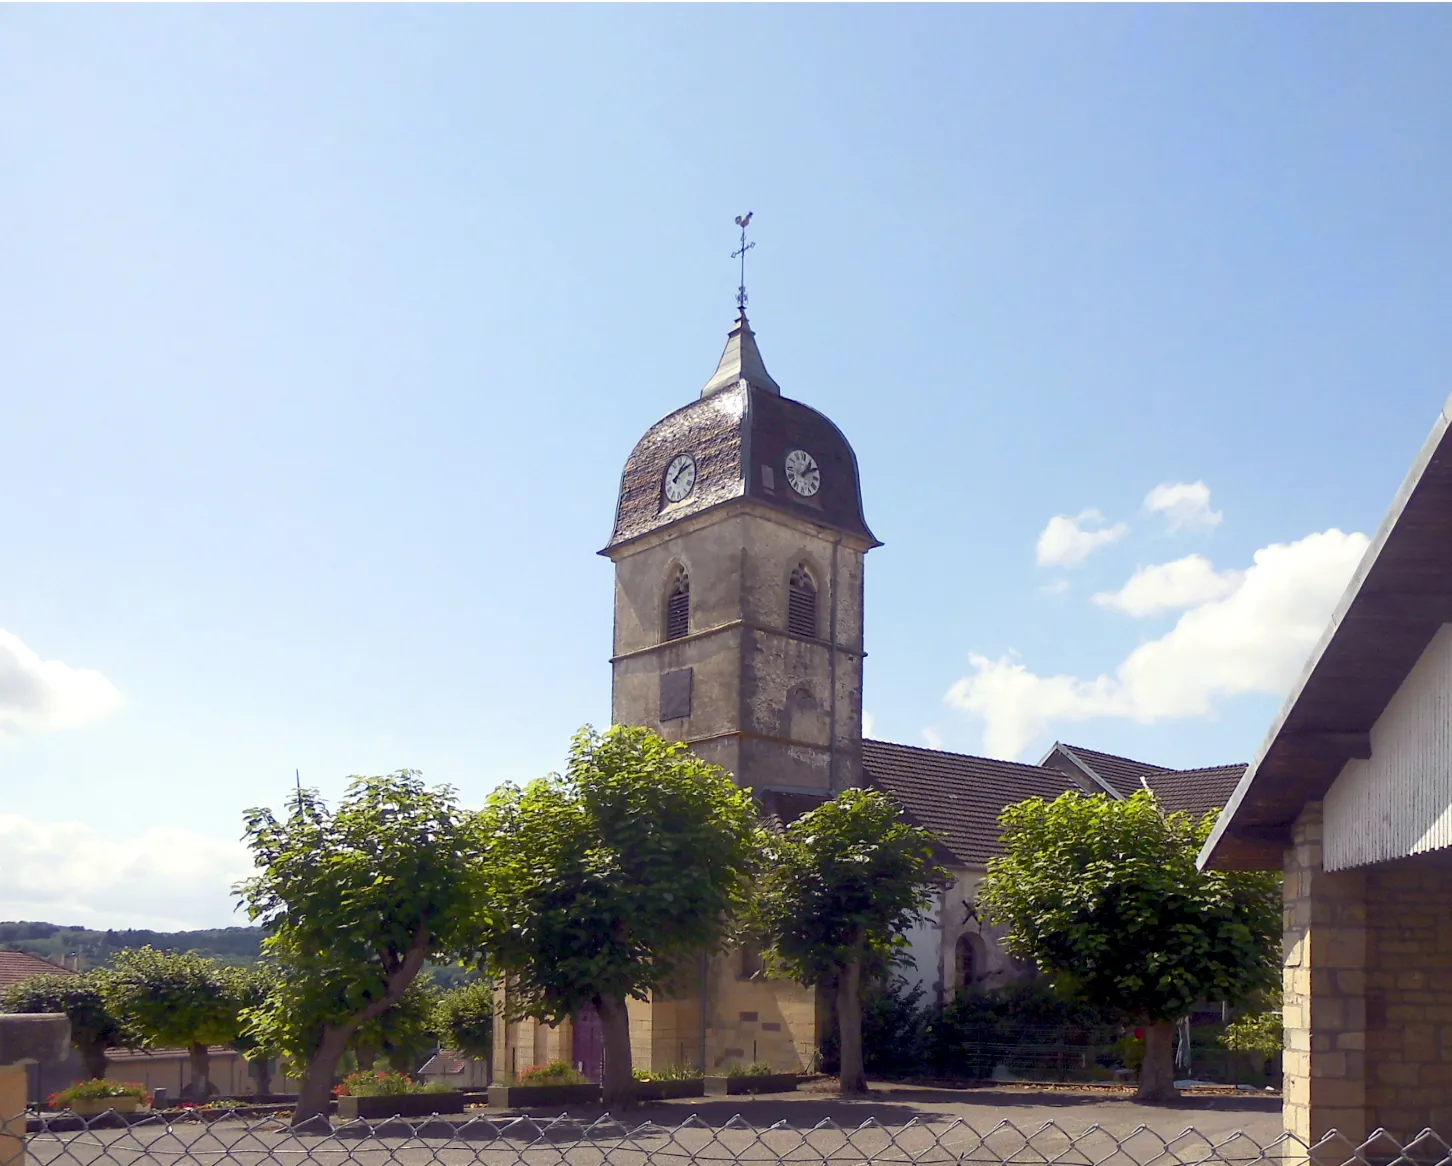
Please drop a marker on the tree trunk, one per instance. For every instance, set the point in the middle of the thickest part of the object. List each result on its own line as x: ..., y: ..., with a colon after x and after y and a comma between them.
x: 93, y: 1058
x: 849, y: 1026
x: 1157, y: 1075
x: 618, y: 1086
x: 262, y: 1074
x: 367, y: 1055
x: 316, y: 1091
x: 199, y: 1088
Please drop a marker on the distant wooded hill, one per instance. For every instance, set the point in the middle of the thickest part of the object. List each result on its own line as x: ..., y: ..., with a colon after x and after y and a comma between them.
x: 229, y: 945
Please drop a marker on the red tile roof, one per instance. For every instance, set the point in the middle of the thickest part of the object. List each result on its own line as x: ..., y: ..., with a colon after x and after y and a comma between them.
x: 1197, y: 790
x: 956, y: 796
x: 1121, y: 773
x: 21, y: 965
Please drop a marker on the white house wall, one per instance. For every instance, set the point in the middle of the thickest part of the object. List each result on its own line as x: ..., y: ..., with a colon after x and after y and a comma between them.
x: 933, y: 944
x: 1399, y: 802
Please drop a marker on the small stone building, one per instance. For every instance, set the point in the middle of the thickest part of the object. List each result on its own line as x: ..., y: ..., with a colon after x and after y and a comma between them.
x: 1351, y: 797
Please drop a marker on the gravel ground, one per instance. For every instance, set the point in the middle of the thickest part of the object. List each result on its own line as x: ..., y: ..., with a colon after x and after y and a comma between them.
x: 905, y: 1124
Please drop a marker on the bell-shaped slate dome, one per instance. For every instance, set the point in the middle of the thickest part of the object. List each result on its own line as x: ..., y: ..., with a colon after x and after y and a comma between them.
x: 739, y: 434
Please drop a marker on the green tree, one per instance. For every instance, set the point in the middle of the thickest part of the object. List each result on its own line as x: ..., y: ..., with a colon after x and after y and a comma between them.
x: 354, y: 901
x: 94, y: 1028
x: 175, y: 1000
x: 251, y: 987
x: 606, y: 882
x: 464, y: 1019
x: 1106, y: 894
x: 403, y: 1033
x: 842, y: 884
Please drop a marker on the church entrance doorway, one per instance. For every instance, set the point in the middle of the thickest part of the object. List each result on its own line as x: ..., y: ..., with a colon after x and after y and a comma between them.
x: 588, y: 1037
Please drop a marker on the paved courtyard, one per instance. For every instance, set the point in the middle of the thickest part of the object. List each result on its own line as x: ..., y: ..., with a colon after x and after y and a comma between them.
x: 904, y: 1124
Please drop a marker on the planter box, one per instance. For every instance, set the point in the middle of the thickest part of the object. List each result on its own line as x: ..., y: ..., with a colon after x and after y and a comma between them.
x: 400, y: 1105
x: 665, y: 1090
x: 526, y: 1096
x: 755, y: 1083
x: 91, y: 1106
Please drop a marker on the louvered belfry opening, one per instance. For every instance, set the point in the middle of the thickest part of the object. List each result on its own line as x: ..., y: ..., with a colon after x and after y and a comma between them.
x: 678, y: 607
x: 802, y: 604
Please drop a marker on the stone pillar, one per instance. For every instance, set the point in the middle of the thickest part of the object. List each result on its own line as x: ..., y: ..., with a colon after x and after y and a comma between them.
x: 1324, y: 990
x: 24, y: 1039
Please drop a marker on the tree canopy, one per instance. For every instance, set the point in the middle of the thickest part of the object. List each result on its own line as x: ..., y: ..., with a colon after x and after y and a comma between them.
x: 841, y: 885
x: 1106, y: 892
x: 355, y: 900
x: 94, y: 1027
x: 463, y: 1019
x: 603, y: 882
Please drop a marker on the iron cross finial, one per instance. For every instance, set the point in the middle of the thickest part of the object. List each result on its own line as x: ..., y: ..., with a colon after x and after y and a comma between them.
x: 742, y: 221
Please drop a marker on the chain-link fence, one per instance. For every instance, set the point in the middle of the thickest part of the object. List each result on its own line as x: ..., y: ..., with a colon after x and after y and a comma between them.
x: 220, y: 1138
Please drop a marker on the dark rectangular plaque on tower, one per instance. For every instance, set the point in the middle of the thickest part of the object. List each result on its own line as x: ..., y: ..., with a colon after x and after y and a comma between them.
x: 675, y: 694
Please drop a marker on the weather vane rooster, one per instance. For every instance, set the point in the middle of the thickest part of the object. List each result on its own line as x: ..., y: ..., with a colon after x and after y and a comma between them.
x: 742, y: 221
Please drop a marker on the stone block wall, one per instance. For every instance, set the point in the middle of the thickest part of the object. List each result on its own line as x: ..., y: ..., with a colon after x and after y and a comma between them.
x: 1408, y: 984
x: 1367, y: 992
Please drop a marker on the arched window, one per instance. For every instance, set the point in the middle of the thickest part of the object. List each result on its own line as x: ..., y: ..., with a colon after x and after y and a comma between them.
x: 678, y: 607
x: 968, y: 969
x: 802, y: 604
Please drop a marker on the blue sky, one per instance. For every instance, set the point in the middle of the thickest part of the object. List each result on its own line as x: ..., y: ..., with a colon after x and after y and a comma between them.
x: 327, y: 330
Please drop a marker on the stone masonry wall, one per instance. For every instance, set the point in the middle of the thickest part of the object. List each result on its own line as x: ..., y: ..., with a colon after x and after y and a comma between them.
x: 1409, y: 994
x: 1368, y: 992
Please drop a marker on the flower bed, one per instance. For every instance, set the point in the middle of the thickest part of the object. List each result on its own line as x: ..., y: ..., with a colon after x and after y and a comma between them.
x: 88, y: 1098
x: 666, y: 1090
x: 756, y: 1078
x: 669, y: 1082
x: 554, y: 1084
x: 401, y: 1105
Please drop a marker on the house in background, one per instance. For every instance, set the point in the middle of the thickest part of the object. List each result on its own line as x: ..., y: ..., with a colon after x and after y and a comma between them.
x: 21, y: 965
x: 1351, y: 797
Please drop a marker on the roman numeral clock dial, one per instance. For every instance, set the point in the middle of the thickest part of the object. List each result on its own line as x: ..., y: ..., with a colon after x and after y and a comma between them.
x: 802, y: 473
x: 680, y: 477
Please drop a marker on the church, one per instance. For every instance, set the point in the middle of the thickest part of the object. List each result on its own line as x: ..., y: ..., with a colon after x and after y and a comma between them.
x: 739, y: 547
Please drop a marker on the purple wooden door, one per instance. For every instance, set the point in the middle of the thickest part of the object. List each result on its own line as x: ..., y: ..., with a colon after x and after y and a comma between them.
x: 589, y: 1043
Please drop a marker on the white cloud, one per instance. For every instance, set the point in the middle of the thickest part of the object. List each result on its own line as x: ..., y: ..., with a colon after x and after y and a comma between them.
x: 38, y: 694
x: 164, y: 878
x: 1057, y: 587
x: 932, y: 738
x: 1068, y: 540
x: 1255, y: 638
x: 1166, y: 586
x: 1186, y: 505
x: 867, y: 724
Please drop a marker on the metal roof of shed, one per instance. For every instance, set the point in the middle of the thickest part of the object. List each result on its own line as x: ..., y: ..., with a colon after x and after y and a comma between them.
x: 1399, y: 597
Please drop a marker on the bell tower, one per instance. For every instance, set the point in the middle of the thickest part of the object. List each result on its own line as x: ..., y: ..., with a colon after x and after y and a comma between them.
x: 738, y: 546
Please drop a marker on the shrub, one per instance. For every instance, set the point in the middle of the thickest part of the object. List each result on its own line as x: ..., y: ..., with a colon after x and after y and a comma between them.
x: 974, y: 1030
x: 1258, y: 1032
x: 755, y: 1069
x: 555, y: 1073
x: 97, y: 1088
x: 668, y: 1073
x: 383, y: 1083
x: 895, y: 1025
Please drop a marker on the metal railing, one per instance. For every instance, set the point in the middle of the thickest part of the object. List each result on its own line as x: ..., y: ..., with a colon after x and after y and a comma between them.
x: 221, y: 1138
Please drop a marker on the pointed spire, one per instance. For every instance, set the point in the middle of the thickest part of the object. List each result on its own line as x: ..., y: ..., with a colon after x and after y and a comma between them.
x: 741, y: 361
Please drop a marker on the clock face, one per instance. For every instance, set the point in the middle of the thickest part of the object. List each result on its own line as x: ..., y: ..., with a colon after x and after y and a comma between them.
x: 802, y: 473
x: 680, y: 477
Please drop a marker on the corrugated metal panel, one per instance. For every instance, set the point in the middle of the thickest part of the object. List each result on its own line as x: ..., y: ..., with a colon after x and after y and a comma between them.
x: 1399, y: 802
